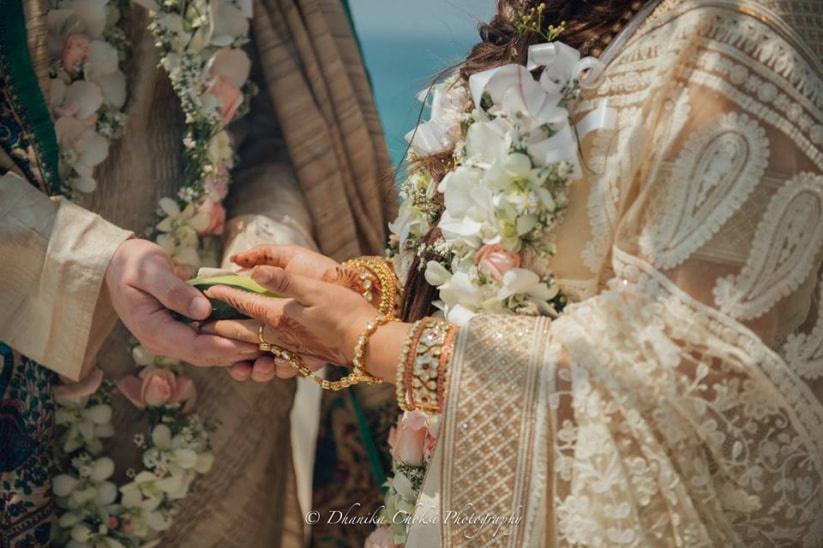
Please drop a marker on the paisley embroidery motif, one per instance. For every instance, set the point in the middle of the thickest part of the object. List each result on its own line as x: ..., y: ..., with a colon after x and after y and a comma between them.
x: 804, y: 352
x: 786, y: 243
x: 614, y: 156
x: 712, y: 177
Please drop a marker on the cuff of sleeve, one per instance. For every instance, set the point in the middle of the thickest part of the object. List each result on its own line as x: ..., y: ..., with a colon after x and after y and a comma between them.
x: 80, y: 316
x: 248, y: 231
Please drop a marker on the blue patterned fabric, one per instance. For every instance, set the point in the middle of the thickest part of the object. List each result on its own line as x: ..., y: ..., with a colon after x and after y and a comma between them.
x: 26, y: 447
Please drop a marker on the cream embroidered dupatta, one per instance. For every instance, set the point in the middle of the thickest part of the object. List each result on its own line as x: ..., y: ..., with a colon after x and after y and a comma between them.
x: 680, y: 401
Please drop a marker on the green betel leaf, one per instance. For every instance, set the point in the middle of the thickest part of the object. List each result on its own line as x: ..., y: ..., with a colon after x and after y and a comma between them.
x: 220, y: 309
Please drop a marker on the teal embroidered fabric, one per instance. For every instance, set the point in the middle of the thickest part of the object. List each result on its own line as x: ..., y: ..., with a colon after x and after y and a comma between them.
x: 26, y: 388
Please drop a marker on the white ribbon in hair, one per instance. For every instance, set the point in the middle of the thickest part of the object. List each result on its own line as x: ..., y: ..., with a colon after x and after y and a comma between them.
x: 513, y: 90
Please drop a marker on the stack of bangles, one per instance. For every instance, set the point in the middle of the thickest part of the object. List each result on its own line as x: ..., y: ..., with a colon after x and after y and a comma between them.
x: 423, y: 367
x: 375, y: 274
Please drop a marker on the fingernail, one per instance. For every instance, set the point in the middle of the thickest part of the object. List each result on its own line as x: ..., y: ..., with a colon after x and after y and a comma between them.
x: 200, y: 308
x: 261, y: 275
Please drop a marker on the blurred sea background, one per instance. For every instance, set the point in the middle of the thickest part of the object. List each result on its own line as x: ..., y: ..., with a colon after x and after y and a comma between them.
x: 406, y: 43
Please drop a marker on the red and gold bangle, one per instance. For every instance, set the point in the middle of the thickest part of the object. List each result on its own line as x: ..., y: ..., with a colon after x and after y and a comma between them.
x: 404, y: 367
x: 426, y: 366
x: 443, y: 365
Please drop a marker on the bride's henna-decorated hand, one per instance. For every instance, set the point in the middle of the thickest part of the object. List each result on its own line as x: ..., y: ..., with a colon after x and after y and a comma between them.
x: 303, y: 262
x: 319, y: 320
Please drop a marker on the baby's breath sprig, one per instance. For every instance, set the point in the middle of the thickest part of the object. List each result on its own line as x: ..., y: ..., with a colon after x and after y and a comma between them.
x: 531, y: 20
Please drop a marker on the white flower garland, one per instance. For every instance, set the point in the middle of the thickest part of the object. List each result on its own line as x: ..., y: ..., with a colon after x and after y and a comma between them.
x: 514, y: 155
x: 87, y: 86
x: 200, y: 43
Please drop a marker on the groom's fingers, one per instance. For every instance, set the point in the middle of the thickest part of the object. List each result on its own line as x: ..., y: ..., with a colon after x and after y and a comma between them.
x: 272, y: 255
x: 263, y: 369
x: 240, y: 371
x: 167, y: 337
x: 241, y: 330
x: 159, y: 281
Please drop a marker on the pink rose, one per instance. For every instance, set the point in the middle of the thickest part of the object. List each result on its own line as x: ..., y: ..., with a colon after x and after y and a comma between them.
x: 158, y: 387
x: 495, y: 260
x: 380, y: 538
x: 75, y: 52
x: 229, y: 96
x: 407, y: 439
x: 217, y: 218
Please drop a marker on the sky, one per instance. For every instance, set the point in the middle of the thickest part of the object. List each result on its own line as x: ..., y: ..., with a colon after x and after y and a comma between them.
x: 442, y: 18
x: 406, y: 43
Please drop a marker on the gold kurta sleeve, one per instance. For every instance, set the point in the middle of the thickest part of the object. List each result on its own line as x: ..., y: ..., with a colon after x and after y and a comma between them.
x: 55, y: 255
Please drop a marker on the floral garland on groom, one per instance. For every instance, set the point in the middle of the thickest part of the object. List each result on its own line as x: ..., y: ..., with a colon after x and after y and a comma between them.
x: 201, y: 45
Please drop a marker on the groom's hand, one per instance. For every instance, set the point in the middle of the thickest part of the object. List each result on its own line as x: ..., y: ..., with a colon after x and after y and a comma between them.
x: 143, y: 289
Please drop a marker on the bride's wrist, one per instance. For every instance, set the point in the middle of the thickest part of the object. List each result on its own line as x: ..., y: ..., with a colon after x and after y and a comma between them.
x: 384, y: 348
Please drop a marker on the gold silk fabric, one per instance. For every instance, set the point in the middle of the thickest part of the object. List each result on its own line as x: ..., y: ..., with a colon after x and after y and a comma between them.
x: 679, y: 401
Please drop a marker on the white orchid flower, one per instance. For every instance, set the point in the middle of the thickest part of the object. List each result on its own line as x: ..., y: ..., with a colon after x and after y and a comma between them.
x: 520, y: 281
x: 448, y: 107
x: 103, y: 59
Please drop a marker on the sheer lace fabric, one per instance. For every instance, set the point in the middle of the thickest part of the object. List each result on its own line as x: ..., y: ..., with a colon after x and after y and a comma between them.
x: 680, y: 401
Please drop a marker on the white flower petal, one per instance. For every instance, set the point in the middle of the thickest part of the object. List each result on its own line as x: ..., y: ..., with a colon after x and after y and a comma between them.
x: 98, y: 414
x: 204, y: 463
x: 113, y: 86
x: 161, y: 436
x: 169, y: 207
x: 106, y: 494
x: 92, y: 148
x: 83, y: 184
x: 187, y: 256
x: 63, y: 484
x: 459, y: 315
x: 436, y: 274
x: 102, y: 469
x: 102, y: 60
x: 84, y: 96
x: 68, y: 129
x: 228, y: 23
x: 185, y: 458
x: 91, y: 16
x: 156, y: 521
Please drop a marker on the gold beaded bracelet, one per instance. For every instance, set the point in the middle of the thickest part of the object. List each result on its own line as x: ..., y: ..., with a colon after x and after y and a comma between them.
x: 377, y: 268
x: 358, y: 373
x: 359, y: 361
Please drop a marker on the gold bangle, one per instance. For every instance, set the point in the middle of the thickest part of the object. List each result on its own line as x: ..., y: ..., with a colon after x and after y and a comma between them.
x: 360, y: 348
x: 383, y: 272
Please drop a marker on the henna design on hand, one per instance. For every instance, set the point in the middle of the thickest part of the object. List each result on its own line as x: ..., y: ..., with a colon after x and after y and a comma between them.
x: 345, y: 277
x: 294, y: 336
